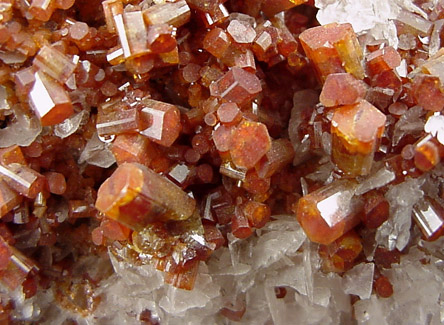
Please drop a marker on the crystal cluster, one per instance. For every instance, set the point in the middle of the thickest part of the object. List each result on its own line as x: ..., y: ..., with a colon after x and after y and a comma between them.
x: 214, y: 161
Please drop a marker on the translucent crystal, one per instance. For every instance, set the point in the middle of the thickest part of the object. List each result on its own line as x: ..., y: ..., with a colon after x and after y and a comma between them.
x: 241, y: 32
x: 428, y: 92
x: 132, y: 148
x: 250, y: 141
x: 161, y: 38
x: 380, y: 178
x: 118, y: 120
x: 429, y: 216
x: 23, y: 131
x: 356, y: 130
x: 359, y: 280
x: 23, y: 179
x: 237, y: 86
x: 8, y: 199
x: 163, y: 120
x: 175, y: 14
x: 70, y: 125
x: 272, y: 7
x: 342, y: 89
x: 49, y: 100
x: 112, y: 8
x: 418, y: 24
x: 135, y: 196
x: 376, y: 16
x: 395, y: 232
x: 435, y: 126
x: 333, y: 48
x: 97, y: 153
x: 326, y: 214
x: 54, y: 63
x: 132, y: 33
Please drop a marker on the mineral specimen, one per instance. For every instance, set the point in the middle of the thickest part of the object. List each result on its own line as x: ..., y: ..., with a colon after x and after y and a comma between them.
x: 217, y: 161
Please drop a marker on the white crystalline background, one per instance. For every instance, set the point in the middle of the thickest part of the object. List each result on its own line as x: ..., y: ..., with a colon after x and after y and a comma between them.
x: 279, y: 255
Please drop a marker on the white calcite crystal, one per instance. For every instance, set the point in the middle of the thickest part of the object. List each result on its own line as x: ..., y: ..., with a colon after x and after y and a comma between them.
x: 97, y: 153
x: 380, y: 178
x: 395, y: 232
x: 376, y: 17
x: 359, y: 280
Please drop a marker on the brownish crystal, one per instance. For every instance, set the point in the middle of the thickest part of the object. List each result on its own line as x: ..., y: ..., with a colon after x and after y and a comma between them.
x: 54, y: 63
x: 429, y: 216
x: 329, y: 212
x: 272, y: 7
x: 176, y: 14
x: 356, y: 131
x: 23, y: 179
x: 163, y: 121
x: 49, y: 101
x: 136, y: 196
x: 428, y: 92
x: 8, y: 198
x: 249, y: 143
x: 342, y: 89
x: 333, y: 48
x: 340, y: 255
x: 237, y: 86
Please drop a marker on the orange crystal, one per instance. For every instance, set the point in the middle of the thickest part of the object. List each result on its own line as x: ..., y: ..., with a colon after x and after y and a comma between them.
x: 132, y: 148
x: 333, y: 48
x: 339, y: 255
x: 381, y: 60
x: 118, y: 120
x: 23, y: 179
x: 356, y: 131
x: 272, y: 7
x: 428, y: 92
x: 249, y: 143
x: 329, y: 212
x: 49, y: 100
x: 136, y: 196
x: 175, y: 14
x: 8, y: 198
x: 427, y: 153
x: 54, y: 63
x: 237, y: 86
x: 429, y: 216
x: 342, y: 89
x: 132, y: 33
x: 163, y: 120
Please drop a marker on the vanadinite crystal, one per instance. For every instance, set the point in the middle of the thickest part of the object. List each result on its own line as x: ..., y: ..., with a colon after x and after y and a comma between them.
x: 219, y: 161
x: 333, y: 48
x: 329, y: 212
x: 136, y: 196
x: 356, y: 132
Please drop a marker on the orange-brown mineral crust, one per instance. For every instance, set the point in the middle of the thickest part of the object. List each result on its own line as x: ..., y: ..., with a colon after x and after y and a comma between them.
x: 201, y: 140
